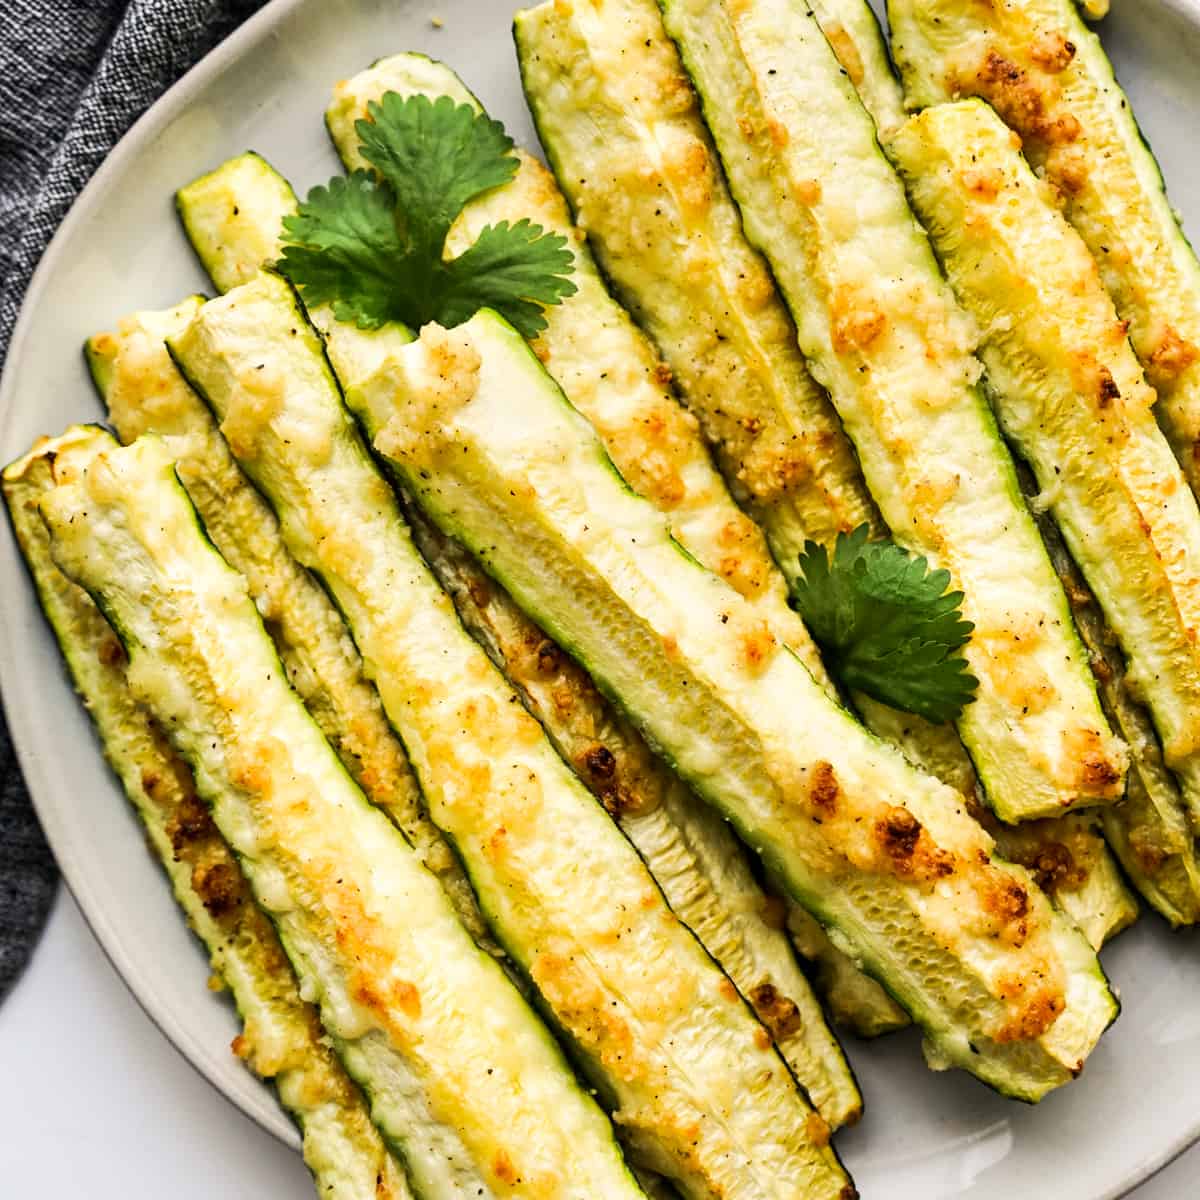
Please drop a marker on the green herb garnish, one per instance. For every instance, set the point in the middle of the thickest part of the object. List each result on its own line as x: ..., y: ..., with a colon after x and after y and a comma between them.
x: 372, y: 244
x: 886, y: 625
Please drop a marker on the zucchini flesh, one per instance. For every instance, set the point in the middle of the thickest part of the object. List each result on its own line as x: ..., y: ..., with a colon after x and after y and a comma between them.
x: 1070, y: 394
x: 886, y: 858
x: 463, y: 1081
x: 881, y: 330
x: 698, y: 1088
x: 613, y: 375
x: 1048, y: 76
x: 281, y: 1035
x: 145, y: 393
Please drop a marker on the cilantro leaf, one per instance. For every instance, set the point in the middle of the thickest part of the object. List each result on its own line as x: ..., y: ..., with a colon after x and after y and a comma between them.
x: 514, y: 269
x: 373, y: 245
x: 886, y: 624
x: 343, y: 244
x: 436, y: 156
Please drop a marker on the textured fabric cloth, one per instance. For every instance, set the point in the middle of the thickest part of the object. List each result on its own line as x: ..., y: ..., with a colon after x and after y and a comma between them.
x: 74, y: 75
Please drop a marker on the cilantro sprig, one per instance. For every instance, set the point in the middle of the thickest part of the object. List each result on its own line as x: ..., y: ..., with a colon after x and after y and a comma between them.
x: 372, y: 244
x: 886, y: 624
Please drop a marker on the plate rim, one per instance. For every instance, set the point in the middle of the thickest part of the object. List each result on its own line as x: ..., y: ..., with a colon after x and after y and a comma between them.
x: 273, y: 1121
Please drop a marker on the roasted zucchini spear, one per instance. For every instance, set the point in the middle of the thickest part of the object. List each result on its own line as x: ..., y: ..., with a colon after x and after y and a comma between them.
x: 1071, y: 397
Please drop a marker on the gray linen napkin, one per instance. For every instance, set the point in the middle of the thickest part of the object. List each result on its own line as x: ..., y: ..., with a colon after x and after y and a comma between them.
x: 74, y: 75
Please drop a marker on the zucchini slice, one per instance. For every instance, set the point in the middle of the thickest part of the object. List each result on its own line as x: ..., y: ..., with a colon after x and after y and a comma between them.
x: 1047, y: 75
x: 619, y: 125
x: 854, y: 33
x: 281, y: 1037
x: 464, y: 1082
x: 697, y: 1086
x: 886, y: 858
x: 882, y: 332
x: 1071, y: 397
x: 145, y: 393
x: 1148, y: 828
x: 233, y: 218
x: 612, y: 374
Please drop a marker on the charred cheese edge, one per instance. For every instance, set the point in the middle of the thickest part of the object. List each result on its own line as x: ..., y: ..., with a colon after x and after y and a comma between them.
x: 1071, y: 397
x: 462, y: 1078
x: 697, y: 1087
x: 885, y: 856
x: 281, y: 1038
x: 612, y: 374
x: 144, y: 393
x: 882, y: 331
x: 1049, y: 78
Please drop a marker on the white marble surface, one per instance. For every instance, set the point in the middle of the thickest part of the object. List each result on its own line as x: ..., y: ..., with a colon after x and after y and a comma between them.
x: 97, y: 1105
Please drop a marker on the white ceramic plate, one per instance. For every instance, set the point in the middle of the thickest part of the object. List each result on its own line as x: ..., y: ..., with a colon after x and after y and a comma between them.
x: 924, y: 1136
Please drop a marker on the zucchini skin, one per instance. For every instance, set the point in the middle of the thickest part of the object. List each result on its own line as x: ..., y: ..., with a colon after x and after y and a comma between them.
x: 1071, y: 396
x: 596, y: 353
x: 699, y: 1090
x: 412, y: 1006
x: 500, y: 461
x: 144, y: 393
x: 281, y: 1039
x: 871, y: 305
x: 1048, y: 76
